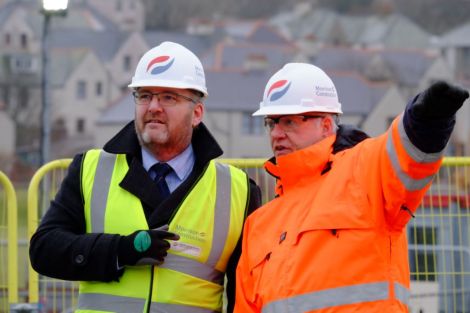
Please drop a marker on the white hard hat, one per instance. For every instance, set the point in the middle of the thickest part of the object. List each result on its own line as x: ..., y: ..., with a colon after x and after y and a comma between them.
x: 170, y: 65
x: 299, y: 88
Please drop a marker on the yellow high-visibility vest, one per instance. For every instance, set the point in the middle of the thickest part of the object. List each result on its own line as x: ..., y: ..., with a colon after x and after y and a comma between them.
x: 209, y: 222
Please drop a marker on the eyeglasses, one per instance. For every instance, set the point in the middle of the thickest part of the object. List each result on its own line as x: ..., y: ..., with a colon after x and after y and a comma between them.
x: 165, y: 98
x: 288, y: 123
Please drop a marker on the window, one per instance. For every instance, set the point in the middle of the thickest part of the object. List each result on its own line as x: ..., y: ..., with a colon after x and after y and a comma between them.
x: 119, y: 5
x: 465, y: 66
x: 81, y: 89
x: 127, y: 63
x: 423, y: 258
x: 80, y: 125
x: 421, y: 235
x: 23, y: 98
x: 7, y: 39
x: 423, y: 265
x: 24, y: 41
x: 6, y: 95
x: 252, y: 125
x: 99, y: 89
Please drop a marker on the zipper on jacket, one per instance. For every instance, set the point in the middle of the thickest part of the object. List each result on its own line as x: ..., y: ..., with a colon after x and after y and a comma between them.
x: 405, y: 208
x: 327, y: 168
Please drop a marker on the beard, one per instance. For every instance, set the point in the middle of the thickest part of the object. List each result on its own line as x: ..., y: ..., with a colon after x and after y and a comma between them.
x: 164, y: 139
x: 146, y: 139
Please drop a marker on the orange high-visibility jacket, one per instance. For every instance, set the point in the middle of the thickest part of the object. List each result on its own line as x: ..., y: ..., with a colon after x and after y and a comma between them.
x: 335, y: 242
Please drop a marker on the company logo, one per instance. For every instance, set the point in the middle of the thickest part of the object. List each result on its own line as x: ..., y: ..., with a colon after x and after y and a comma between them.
x: 160, y: 64
x: 278, y: 89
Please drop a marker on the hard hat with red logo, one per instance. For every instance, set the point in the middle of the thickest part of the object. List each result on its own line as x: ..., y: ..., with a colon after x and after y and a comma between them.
x: 299, y: 88
x: 170, y: 65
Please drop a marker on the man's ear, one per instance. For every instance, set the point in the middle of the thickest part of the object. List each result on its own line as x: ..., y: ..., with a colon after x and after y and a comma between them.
x: 198, y: 113
x: 327, y: 126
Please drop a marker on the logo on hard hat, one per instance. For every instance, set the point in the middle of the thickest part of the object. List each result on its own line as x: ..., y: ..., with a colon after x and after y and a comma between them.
x: 160, y: 64
x: 278, y: 89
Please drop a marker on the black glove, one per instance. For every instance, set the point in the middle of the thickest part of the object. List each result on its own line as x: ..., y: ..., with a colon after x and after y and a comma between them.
x: 441, y: 100
x: 144, y: 247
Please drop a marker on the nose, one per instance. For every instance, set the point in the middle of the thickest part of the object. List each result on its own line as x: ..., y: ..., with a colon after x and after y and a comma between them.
x: 155, y: 104
x: 277, y: 131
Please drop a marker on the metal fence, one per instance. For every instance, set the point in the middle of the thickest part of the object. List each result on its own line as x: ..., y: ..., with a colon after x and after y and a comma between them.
x: 439, y: 237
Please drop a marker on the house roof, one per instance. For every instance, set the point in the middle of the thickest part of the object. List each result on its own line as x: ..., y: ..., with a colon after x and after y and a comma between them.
x: 235, y: 55
x: 407, y: 66
x: 80, y: 16
x: 458, y: 36
x: 104, y: 44
x: 325, y: 26
x: 198, y: 44
x: 235, y: 91
x: 389, y: 31
x: 65, y: 62
x: 120, y: 112
x: 357, y: 95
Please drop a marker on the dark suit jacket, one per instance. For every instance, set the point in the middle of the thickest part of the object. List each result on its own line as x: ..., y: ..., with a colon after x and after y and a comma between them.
x: 60, y: 248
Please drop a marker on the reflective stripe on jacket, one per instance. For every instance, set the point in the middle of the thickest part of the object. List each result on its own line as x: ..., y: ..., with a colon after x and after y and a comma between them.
x: 209, y: 222
x: 334, y: 239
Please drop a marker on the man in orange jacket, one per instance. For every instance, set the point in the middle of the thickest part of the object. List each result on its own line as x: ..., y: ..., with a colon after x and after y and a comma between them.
x: 333, y: 239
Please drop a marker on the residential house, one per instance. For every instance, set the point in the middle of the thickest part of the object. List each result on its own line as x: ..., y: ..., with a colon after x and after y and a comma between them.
x: 20, y: 34
x: 127, y: 15
x: 7, y: 141
x: 369, y: 105
x: 455, y: 46
x: 80, y: 89
x: 313, y: 28
x: 113, y: 118
x: 411, y: 69
x: 229, y: 56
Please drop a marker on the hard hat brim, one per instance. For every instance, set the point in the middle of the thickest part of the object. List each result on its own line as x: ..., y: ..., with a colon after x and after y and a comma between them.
x: 292, y: 109
x: 168, y: 84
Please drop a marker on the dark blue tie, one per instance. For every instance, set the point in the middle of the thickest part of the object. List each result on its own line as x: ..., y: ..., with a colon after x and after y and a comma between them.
x: 161, y: 170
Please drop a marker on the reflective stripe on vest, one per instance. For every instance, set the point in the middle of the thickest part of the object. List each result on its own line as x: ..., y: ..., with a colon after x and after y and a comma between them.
x: 407, y: 181
x: 325, y: 299
x: 117, y: 304
x: 109, y: 303
x: 99, y: 199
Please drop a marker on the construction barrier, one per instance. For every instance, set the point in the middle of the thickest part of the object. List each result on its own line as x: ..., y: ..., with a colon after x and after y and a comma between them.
x: 439, y: 238
x: 8, y: 244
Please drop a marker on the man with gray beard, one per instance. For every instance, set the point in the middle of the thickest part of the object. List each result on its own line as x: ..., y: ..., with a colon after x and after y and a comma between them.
x: 151, y: 223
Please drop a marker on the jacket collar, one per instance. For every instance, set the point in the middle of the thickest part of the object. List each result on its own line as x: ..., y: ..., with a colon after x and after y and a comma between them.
x: 292, y: 168
x: 314, y: 160
x: 126, y: 142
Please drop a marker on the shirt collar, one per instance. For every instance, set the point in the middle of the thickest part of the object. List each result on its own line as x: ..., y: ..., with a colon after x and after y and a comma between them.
x: 181, y: 164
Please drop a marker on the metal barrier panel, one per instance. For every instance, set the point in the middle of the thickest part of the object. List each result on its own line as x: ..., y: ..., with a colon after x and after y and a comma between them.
x: 439, y: 238
x: 48, y: 294
x: 8, y: 245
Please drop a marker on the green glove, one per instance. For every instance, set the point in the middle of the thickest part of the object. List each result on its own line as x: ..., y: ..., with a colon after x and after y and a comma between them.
x: 144, y: 247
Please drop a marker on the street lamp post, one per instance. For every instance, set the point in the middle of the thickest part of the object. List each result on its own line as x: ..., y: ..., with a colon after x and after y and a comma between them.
x: 49, y: 9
